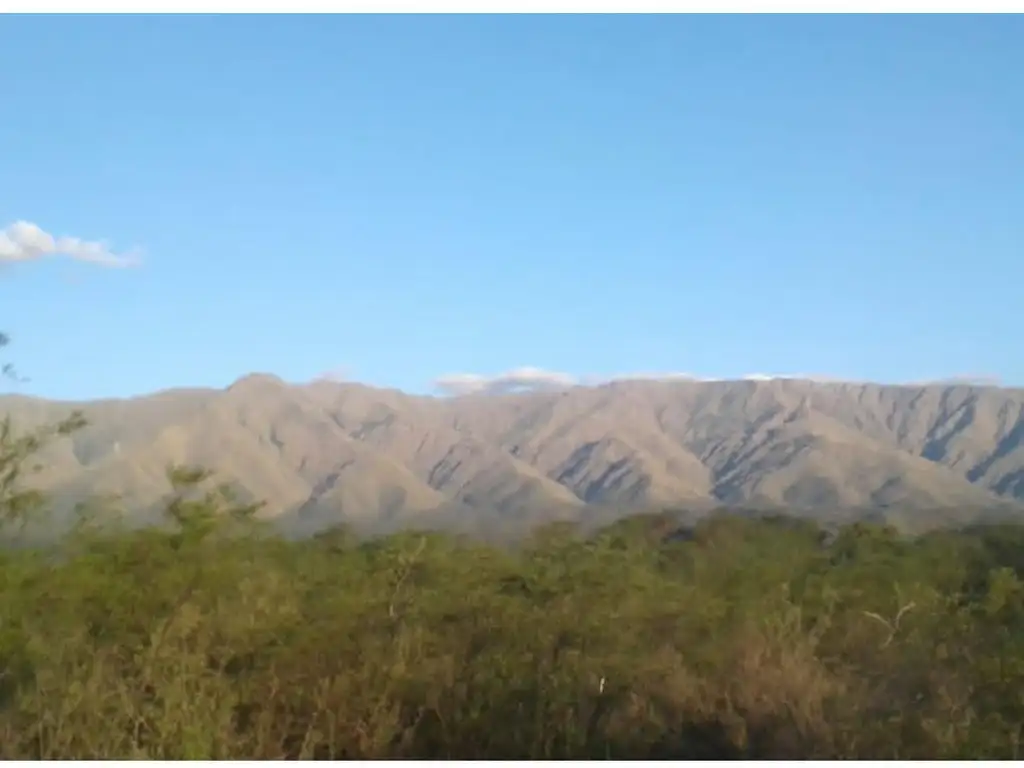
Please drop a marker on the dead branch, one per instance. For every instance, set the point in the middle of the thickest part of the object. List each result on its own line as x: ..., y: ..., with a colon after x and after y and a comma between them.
x: 407, y: 565
x: 894, y: 625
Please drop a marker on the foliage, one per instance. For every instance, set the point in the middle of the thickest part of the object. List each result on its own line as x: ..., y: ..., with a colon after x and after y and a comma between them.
x: 18, y: 504
x: 208, y: 638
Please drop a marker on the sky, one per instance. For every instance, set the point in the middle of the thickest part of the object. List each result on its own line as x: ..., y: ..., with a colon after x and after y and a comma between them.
x: 433, y: 202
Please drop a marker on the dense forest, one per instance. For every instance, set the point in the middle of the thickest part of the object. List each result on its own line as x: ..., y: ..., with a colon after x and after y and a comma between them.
x: 211, y: 638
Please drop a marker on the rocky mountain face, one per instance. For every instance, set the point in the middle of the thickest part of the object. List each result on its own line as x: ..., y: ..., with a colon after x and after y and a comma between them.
x: 326, y: 453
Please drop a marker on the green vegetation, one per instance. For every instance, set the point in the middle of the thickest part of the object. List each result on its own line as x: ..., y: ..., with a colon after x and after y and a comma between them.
x: 210, y: 638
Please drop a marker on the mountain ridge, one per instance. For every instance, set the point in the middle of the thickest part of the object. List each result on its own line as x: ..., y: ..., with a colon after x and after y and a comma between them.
x: 337, y: 452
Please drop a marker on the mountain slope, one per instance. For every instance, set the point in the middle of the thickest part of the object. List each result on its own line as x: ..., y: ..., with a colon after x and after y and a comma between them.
x: 325, y: 453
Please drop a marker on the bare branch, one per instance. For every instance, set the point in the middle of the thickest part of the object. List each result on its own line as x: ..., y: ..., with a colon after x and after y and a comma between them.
x: 407, y: 567
x: 908, y: 607
x: 894, y: 625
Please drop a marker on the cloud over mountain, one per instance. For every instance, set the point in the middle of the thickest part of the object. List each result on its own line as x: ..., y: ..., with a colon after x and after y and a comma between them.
x: 529, y: 378
x: 517, y: 379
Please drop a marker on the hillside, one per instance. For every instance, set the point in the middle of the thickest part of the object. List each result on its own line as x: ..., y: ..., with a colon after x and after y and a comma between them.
x: 325, y: 453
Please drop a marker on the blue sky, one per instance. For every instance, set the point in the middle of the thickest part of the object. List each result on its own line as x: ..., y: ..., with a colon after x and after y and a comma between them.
x: 402, y: 198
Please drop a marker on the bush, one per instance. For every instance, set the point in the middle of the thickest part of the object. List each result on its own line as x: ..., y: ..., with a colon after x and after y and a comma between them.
x: 208, y: 638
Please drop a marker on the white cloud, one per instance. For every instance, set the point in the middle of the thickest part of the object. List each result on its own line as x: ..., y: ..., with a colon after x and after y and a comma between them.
x: 644, y: 376
x: 525, y: 378
x: 336, y: 375
x: 969, y: 380
x: 24, y: 241
x: 531, y: 379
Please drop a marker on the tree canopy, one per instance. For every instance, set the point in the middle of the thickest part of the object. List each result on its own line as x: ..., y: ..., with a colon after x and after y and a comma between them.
x: 207, y: 637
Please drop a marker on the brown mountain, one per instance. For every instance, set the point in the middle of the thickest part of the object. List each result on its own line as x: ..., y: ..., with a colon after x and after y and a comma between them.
x: 326, y: 452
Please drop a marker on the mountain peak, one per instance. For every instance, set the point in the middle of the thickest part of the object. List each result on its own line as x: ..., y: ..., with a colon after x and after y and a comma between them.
x: 825, y: 448
x: 257, y: 380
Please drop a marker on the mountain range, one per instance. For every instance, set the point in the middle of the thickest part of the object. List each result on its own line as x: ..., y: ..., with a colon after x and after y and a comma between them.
x: 326, y: 453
